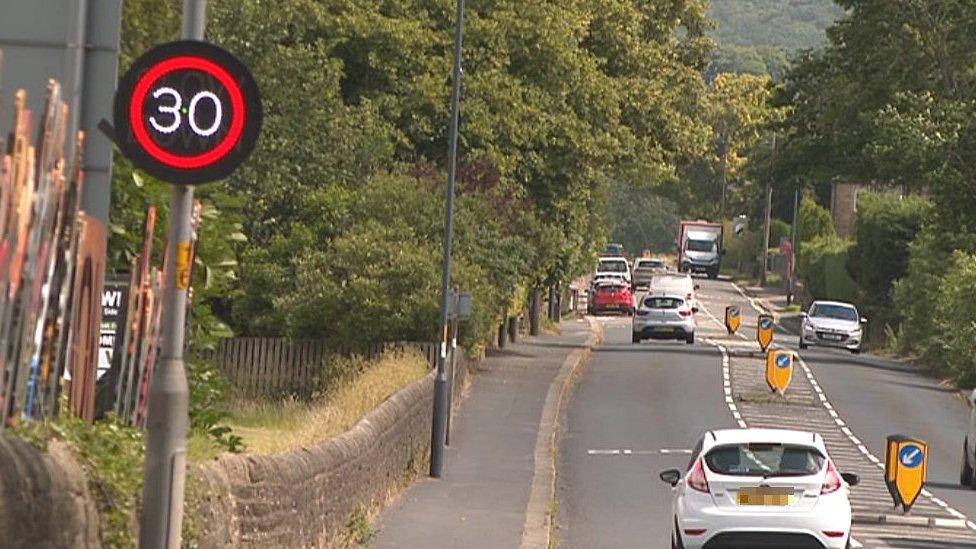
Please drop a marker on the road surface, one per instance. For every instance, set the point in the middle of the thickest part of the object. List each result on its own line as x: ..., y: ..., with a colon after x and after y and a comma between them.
x: 639, y: 408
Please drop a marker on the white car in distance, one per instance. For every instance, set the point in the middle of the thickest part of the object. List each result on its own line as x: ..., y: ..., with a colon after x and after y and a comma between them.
x: 613, y: 266
x: 760, y: 488
x: 832, y: 324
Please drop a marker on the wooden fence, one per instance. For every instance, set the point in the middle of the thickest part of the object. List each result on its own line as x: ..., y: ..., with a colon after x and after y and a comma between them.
x: 261, y: 366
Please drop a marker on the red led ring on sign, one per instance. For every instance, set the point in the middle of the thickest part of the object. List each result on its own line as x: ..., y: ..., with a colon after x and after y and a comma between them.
x: 141, y: 90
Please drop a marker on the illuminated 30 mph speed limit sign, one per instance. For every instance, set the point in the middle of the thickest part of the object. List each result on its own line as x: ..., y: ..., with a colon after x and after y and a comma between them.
x: 187, y: 112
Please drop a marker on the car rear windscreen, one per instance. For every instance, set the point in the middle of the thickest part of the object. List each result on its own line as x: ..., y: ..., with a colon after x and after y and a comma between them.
x: 663, y: 302
x: 764, y: 460
x: 612, y: 266
x: 610, y: 288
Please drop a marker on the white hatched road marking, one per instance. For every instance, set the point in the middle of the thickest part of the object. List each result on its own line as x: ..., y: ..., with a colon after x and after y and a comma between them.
x: 847, y: 432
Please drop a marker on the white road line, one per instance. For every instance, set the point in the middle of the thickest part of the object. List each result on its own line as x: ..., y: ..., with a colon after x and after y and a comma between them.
x: 863, y: 449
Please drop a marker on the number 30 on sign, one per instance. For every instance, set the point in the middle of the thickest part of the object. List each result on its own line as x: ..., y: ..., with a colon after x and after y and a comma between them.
x: 187, y: 112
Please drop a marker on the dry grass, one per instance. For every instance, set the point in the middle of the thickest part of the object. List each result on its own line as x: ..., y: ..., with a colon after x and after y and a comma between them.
x: 270, y: 427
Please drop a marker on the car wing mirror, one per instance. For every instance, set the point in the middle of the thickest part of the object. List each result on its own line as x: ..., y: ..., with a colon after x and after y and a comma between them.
x: 694, y: 310
x: 671, y: 476
x: 697, y: 287
x: 852, y: 479
x: 864, y: 320
x: 804, y: 315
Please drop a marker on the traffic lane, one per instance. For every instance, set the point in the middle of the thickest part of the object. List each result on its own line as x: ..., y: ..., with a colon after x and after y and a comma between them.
x: 879, y: 397
x: 644, y: 398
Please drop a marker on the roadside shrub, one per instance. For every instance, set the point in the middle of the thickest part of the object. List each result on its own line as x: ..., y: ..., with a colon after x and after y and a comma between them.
x: 209, y: 394
x: 955, y: 319
x: 814, y: 221
x: 821, y: 263
x: 778, y: 229
x: 918, y: 296
x: 915, y: 296
x: 885, y: 227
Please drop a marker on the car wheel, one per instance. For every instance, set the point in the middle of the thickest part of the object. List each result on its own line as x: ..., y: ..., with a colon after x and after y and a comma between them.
x: 856, y: 351
x: 966, y: 471
x: 635, y: 339
x: 690, y: 339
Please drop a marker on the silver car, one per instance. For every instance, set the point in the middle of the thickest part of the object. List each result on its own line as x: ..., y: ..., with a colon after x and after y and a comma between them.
x: 832, y: 324
x: 664, y: 317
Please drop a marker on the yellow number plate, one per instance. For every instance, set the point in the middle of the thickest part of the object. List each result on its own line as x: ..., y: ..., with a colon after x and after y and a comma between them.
x: 765, y: 496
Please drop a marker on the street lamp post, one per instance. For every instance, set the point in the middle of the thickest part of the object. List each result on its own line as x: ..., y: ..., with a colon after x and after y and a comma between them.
x: 441, y: 399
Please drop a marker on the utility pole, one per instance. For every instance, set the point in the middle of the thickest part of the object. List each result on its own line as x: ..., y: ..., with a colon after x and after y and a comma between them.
x: 438, y: 430
x: 791, y: 283
x: 767, y: 220
x: 168, y: 413
x: 725, y: 173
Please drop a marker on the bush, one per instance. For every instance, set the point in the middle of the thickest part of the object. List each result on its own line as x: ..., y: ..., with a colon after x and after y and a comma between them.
x: 917, y: 296
x: 955, y: 319
x: 885, y: 227
x: 821, y: 263
x: 778, y: 229
x: 814, y: 221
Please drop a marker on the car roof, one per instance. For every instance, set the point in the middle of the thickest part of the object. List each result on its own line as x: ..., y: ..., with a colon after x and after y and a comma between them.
x: 784, y: 436
x: 838, y: 303
x: 611, y: 258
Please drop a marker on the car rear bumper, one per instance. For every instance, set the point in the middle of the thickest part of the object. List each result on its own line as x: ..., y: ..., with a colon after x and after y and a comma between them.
x: 735, y: 529
x: 613, y: 307
x: 663, y: 331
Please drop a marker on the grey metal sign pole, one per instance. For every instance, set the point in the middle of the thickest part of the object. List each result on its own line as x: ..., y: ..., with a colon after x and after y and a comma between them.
x: 441, y: 401
x: 167, y: 417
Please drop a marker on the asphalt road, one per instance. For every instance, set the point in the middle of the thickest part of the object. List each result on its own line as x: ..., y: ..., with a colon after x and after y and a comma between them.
x: 635, y: 401
x: 640, y: 399
x: 878, y: 397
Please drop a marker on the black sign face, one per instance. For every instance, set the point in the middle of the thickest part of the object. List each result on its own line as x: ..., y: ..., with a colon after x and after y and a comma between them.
x: 187, y: 112
x: 114, y: 301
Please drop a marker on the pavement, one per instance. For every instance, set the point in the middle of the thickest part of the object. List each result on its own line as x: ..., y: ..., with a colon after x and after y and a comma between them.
x: 490, y: 471
x: 640, y: 408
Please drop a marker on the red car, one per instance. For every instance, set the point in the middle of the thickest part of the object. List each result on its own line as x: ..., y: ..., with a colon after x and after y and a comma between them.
x: 611, y: 295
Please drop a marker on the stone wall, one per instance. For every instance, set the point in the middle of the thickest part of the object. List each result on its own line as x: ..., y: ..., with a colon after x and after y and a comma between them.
x: 301, y: 498
x: 304, y: 498
x: 44, y: 498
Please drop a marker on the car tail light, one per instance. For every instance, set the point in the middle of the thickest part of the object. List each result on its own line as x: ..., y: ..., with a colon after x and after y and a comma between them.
x: 642, y: 312
x: 696, y: 478
x: 685, y: 312
x: 694, y: 531
x: 832, y: 481
x: 834, y: 534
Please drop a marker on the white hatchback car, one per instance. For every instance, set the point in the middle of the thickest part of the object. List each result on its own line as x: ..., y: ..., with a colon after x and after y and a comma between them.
x: 760, y: 488
x: 832, y: 324
x: 664, y: 317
